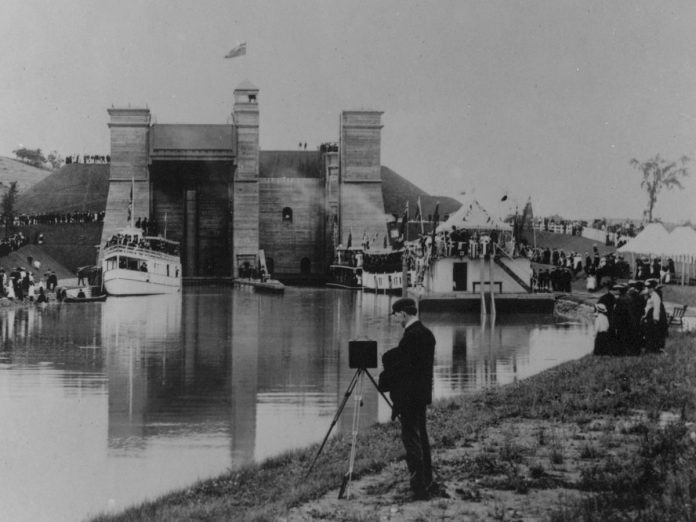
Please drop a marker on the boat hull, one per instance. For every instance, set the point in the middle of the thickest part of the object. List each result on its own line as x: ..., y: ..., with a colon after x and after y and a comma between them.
x: 388, y: 283
x: 121, y: 282
x: 345, y: 276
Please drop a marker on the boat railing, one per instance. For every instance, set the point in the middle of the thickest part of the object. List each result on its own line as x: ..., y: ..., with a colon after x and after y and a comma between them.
x: 139, y: 250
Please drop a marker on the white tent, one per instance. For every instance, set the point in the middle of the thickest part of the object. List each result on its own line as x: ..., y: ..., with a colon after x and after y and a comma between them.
x: 652, y: 240
x: 683, y: 250
x: 473, y: 216
x: 682, y: 242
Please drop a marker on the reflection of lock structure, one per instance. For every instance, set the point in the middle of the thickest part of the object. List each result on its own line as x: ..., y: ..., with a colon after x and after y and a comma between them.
x: 473, y: 249
x: 485, y: 243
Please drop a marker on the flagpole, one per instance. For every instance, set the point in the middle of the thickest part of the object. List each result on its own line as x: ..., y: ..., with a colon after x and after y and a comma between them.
x: 404, y: 260
x: 132, y: 202
x: 420, y: 214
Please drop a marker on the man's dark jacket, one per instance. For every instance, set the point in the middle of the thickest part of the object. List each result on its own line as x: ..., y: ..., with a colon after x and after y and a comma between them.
x: 408, y: 369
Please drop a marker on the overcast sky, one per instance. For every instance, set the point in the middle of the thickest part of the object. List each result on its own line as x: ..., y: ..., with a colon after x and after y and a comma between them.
x: 549, y: 99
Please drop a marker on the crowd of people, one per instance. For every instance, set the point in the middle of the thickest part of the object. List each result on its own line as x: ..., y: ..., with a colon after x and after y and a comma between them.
x: 658, y: 268
x: 630, y: 319
x: 88, y: 158
x: 148, y: 243
x: 50, y: 218
x: 12, y: 243
x: 21, y: 285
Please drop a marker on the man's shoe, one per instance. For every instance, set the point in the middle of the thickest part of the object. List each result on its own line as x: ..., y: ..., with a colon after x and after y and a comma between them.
x: 437, y: 490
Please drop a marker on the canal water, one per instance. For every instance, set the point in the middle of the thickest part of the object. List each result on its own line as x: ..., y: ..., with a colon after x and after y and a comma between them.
x: 104, y: 405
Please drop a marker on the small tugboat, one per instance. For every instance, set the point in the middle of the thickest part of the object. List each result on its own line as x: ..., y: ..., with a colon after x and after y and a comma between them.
x: 259, y: 277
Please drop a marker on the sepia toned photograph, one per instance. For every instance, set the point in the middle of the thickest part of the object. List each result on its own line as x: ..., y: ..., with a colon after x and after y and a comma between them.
x: 359, y: 260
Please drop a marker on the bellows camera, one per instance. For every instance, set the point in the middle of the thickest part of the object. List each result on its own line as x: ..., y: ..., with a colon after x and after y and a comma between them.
x: 362, y: 354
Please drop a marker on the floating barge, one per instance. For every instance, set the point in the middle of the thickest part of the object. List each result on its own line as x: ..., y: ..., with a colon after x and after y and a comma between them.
x: 472, y: 265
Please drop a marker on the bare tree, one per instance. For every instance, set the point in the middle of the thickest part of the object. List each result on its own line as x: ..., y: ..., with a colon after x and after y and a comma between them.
x: 658, y: 173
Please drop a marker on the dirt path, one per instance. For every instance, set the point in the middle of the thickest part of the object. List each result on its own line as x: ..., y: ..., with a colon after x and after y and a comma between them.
x: 521, y: 470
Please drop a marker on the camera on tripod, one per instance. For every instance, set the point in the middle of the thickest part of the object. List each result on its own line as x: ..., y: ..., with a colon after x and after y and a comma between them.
x: 362, y: 354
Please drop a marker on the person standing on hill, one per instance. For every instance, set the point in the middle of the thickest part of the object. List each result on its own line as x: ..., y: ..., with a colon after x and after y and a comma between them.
x: 411, y: 367
x: 626, y: 323
x: 602, y: 342
x: 608, y: 299
x: 654, y: 319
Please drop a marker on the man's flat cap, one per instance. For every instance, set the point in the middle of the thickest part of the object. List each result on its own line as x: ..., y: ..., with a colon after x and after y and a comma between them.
x: 402, y: 304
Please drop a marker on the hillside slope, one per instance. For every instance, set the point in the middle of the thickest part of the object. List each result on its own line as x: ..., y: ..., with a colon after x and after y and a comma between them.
x: 36, y: 253
x: 85, y: 187
x: 397, y: 190
x: 75, y: 187
x: 25, y: 175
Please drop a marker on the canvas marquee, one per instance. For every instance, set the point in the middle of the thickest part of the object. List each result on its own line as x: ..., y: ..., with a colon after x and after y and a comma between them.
x: 473, y: 216
x: 652, y: 240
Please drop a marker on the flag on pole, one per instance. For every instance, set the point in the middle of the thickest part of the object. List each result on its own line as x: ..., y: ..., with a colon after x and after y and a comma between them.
x: 404, y: 223
x: 419, y: 214
x: 436, y: 219
x: 237, y: 50
x: 130, y: 204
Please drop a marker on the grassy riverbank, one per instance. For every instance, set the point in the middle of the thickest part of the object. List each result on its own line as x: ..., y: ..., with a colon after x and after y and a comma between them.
x: 594, y: 439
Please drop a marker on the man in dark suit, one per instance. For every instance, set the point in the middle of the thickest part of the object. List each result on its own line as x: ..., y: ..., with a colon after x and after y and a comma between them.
x: 411, y: 390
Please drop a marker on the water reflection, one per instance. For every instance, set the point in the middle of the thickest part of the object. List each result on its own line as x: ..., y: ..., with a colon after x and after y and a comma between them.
x: 133, y: 397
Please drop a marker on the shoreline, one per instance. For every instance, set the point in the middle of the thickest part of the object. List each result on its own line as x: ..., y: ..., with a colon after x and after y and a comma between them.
x: 570, y: 439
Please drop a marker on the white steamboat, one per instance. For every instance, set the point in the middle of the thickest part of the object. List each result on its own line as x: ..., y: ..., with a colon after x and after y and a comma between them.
x: 134, y: 264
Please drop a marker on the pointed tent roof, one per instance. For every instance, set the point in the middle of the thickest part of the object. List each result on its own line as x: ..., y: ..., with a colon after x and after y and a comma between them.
x: 473, y: 216
x: 652, y: 240
x: 682, y: 242
x: 246, y: 85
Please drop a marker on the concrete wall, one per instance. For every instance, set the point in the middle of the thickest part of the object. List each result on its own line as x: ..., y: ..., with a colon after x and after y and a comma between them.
x: 223, y: 213
x: 361, y: 201
x: 288, y: 242
x: 129, y: 157
x: 244, y: 227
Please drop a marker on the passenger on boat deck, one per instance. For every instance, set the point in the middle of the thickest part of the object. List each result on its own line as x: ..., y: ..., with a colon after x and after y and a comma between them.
x: 81, y: 294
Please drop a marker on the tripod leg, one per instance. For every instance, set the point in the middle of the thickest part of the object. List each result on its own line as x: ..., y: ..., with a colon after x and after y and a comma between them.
x: 377, y: 388
x: 347, y: 394
x: 353, y: 444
